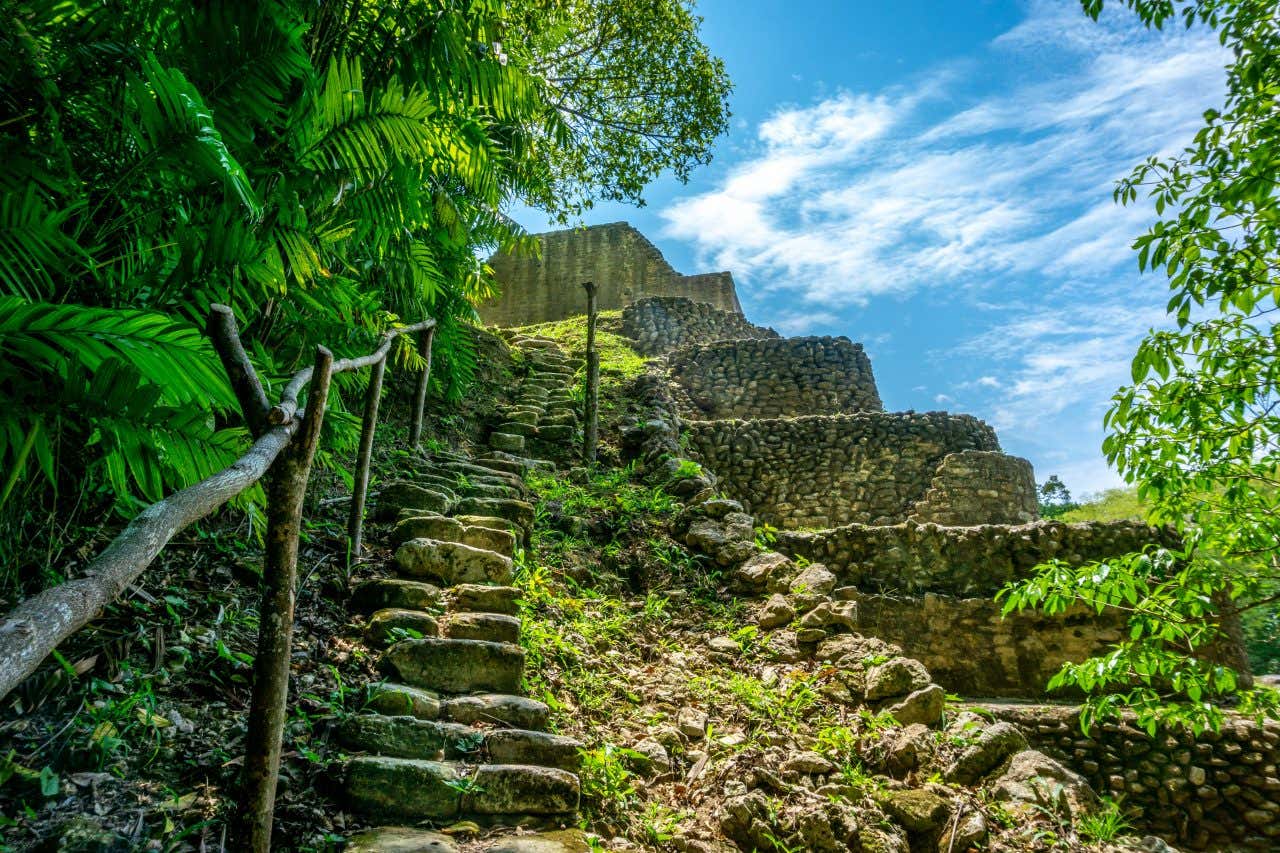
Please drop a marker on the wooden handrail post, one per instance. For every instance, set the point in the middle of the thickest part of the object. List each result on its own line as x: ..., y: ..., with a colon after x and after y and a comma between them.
x: 591, y: 404
x: 286, y: 490
x: 360, y: 490
x: 225, y: 336
x: 420, y: 393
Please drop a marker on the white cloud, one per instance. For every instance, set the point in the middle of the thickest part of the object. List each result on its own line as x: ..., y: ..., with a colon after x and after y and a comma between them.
x: 859, y: 195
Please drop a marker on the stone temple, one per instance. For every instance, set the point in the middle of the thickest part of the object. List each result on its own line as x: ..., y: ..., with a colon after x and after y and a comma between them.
x: 920, y: 515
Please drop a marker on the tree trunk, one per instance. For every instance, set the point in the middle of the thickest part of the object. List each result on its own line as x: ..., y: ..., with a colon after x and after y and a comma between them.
x: 360, y: 491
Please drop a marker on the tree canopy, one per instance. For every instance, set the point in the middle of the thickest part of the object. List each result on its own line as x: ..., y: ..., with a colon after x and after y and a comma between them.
x: 326, y: 169
x: 1198, y: 431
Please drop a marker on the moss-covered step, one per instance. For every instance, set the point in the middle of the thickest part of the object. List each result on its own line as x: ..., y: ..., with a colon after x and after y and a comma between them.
x: 479, y: 598
x: 401, y: 495
x: 495, y: 627
x: 399, y: 700
x: 379, y: 593
x: 457, y: 666
x: 452, y: 562
x: 413, y: 737
x: 413, y: 789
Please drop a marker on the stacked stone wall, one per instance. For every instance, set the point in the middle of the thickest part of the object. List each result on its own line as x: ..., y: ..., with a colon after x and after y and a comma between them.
x: 972, y: 651
x: 828, y: 470
x: 962, y: 561
x: 660, y: 324
x: 621, y: 262
x: 1212, y: 791
x: 770, y: 378
x: 978, y: 486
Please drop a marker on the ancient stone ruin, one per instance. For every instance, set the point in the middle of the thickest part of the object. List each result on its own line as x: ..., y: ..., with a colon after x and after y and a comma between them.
x: 875, y: 541
x: 624, y: 265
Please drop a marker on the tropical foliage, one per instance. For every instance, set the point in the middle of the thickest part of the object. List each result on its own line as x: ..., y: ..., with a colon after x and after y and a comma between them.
x: 1198, y: 431
x: 326, y: 169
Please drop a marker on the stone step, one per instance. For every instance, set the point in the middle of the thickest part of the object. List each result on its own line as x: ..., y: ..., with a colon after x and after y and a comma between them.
x: 501, y: 709
x: 517, y: 511
x: 379, y: 593
x: 452, y: 562
x: 446, y: 486
x: 517, y: 428
x: 564, y: 417
x: 435, y: 790
x: 506, y: 442
x: 531, y: 395
x: 436, y: 740
x: 446, y: 529
x: 388, y: 624
x: 501, y: 467
x: 404, y: 839
x: 399, y: 495
x: 521, y: 414
x: 479, y: 598
x: 494, y: 627
x: 457, y: 666
x: 525, y: 462
x: 483, y: 473
x: 564, y: 432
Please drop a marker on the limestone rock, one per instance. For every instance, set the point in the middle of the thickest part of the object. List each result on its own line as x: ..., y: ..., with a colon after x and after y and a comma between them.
x: 400, y: 839
x: 397, y: 700
x: 654, y: 759
x: 452, y: 562
x: 404, y: 788
x: 562, y: 841
x: 758, y: 571
x: 400, y: 495
x: 457, y: 666
x: 382, y: 593
x: 909, y: 749
x: 723, y: 645
x: 494, y: 627
x: 896, y: 677
x: 921, y: 706
x: 428, y: 527
x: 692, y: 723
x: 917, y: 810
x: 516, y: 746
x: 1034, y: 778
x: 814, y: 583
x: 992, y: 747
x: 502, y: 708
x: 966, y: 833
x: 500, y: 789
x: 477, y: 598
x: 808, y: 763
x: 775, y: 613
x: 390, y: 621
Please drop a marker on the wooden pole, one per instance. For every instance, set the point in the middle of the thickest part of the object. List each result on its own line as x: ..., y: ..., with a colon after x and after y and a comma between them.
x: 420, y: 393
x: 355, y: 523
x: 287, y: 487
x: 592, y: 402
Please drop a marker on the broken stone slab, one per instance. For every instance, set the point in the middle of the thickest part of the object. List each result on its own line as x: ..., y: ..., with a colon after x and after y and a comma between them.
x: 813, y: 584
x: 757, y: 572
x: 393, y: 623
x: 457, y: 666
x: 400, y: 495
x: 502, y: 708
x: 917, y: 810
x: 452, y: 562
x: 495, y: 627
x: 478, y: 598
x: 380, y: 593
x: 517, y: 746
x: 521, y: 790
x: 1034, y: 779
x: 404, y: 787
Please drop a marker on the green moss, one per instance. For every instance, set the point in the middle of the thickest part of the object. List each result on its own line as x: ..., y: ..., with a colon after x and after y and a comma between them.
x: 616, y: 355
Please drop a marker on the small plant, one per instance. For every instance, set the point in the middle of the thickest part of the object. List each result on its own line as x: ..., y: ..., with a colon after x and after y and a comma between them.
x: 607, y: 784
x: 766, y: 536
x: 1106, y: 824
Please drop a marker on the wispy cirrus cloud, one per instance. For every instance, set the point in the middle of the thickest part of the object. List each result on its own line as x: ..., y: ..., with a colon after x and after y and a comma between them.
x: 860, y: 195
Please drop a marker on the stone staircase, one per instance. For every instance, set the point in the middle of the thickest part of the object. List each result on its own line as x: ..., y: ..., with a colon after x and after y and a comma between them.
x: 449, y: 737
x: 543, y: 411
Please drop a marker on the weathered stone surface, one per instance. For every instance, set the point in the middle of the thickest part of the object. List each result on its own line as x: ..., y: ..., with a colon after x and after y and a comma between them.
x: 410, y: 737
x: 521, y: 790
x: 653, y: 760
x: 477, y: 598
x: 457, y: 666
x: 498, y: 540
x: 813, y: 583
x: 921, y: 706
x: 507, y: 442
x: 1033, y: 778
x: 562, y: 841
x: 452, y: 562
x: 516, y: 746
x: 500, y: 708
x: 992, y: 747
x: 382, y: 593
x: 439, y: 527
x: 896, y: 677
x: 775, y: 613
x: 398, y: 700
x: 389, y: 621
x: 808, y: 763
x: 757, y: 572
x: 398, y: 496
x: 495, y: 627
x: 773, y: 377
x: 623, y: 263
x: 976, y: 486
x: 403, y: 788
x: 519, y: 512
x: 661, y: 324
x: 400, y: 839
x: 917, y: 810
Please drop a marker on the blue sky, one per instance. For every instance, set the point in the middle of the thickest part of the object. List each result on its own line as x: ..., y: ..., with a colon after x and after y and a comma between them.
x: 934, y: 179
